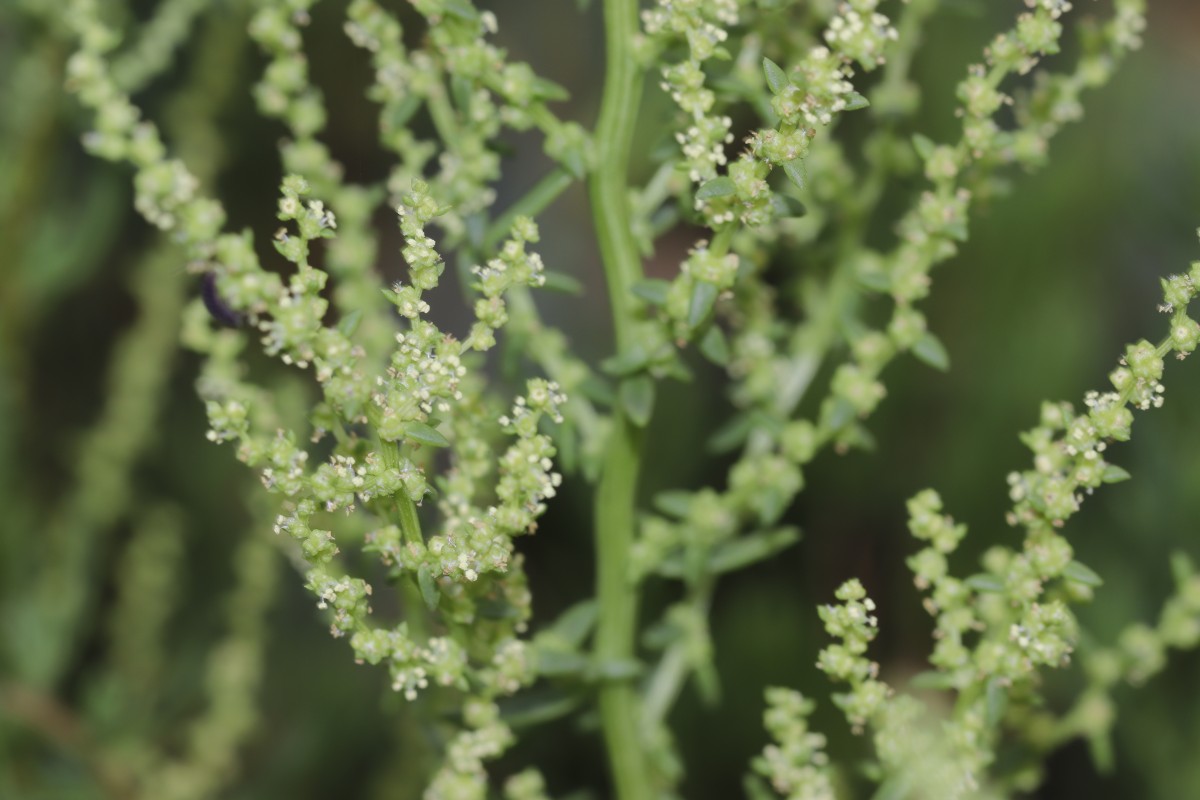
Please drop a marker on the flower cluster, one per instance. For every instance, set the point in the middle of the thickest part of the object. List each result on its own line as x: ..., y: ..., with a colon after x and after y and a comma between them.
x: 797, y: 765
x: 998, y: 629
x: 385, y: 434
x: 704, y: 26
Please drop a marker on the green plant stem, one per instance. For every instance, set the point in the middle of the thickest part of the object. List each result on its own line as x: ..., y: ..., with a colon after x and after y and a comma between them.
x: 620, y: 707
x: 608, y: 185
x: 531, y: 204
x: 621, y: 712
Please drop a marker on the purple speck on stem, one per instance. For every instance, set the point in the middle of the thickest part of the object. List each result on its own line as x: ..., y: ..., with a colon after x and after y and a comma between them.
x: 220, y: 310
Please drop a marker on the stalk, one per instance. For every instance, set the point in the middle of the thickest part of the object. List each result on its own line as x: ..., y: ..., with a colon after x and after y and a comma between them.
x: 620, y: 707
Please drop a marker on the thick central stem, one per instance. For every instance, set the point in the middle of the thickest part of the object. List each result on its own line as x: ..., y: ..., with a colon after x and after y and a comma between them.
x: 620, y: 707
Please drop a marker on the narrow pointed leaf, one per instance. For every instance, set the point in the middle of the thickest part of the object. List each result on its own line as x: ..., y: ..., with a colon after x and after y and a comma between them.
x: 923, y: 145
x: 421, y: 433
x: 985, y: 582
x: 428, y: 587
x: 561, y: 282
x: 626, y: 362
x: 704, y: 297
x: 777, y: 79
x: 856, y: 101
x: 795, y: 172
x: 1115, y: 474
x: 653, y: 291
x: 746, y: 550
x: 714, y: 346
x: 674, y: 503
x: 1082, y: 573
x: 930, y: 349
x: 350, y: 322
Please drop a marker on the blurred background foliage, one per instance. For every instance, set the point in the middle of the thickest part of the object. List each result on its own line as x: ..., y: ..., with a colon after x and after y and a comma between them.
x: 115, y: 510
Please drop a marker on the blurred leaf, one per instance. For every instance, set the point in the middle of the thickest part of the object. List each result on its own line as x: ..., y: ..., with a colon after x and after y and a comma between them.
x: 462, y: 9
x: 787, y: 207
x: 545, y: 89
x: 996, y: 701
x: 751, y: 548
x: 653, y: 291
x: 557, y: 662
x: 856, y: 101
x: 1115, y: 474
x: 1082, y: 573
x: 708, y: 684
x: 597, y: 390
x: 615, y: 669
x: 561, y: 282
x: 930, y: 349
x: 575, y: 624
x: 704, y: 296
x: 626, y: 362
x: 985, y: 582
x: 736, y: 554
x: 717, y: 187
x: 637, y: 398
x: 349, y: 323
x: 674, y: 503
x: 932, y: 680
x: 537, y: 707
x: 923, y: 145
x: 1101, y: 749
x: 714, y: 346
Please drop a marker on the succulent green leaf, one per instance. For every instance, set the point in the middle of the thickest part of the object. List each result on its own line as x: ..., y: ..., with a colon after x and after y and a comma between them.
x: 428, y: 587
x: 795, y: 172
x: 717, y: 187
x: 421, y: 433
x: 777, y: 79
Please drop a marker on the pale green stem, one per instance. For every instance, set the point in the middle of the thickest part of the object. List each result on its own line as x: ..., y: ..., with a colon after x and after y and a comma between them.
x: 620, y: 707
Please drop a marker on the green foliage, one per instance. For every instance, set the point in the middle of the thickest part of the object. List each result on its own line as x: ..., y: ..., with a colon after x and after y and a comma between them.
x: 407, y: 443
